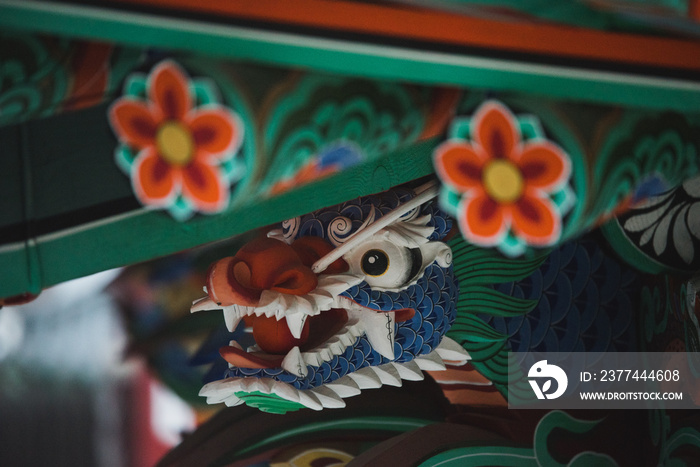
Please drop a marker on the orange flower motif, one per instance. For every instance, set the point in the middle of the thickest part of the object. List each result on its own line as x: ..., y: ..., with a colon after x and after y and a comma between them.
x: 179, y: 146
x: 505, y: 182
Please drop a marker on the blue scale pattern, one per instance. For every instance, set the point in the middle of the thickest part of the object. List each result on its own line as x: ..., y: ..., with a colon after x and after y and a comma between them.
x: 584, y: 303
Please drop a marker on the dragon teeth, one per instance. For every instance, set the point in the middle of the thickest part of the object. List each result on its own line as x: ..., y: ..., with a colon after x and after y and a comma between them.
x: 453, y: 352
x: 388, y: 375
x: 294, y: 363
x: 409, y: 371
x: 305, y: 306
x: 356, y: 331
x: 346, y: 338
x: 295, y: 322
x: 218, y: 391
x: 325, y: 354
x: 248, y: 384
x: 379, y: 328
x: 430, y: 362
x: 312, y: 358
x: 323, y: 299
x: 204, y: 304
x: 328, y: 398
x: 315, y: 399
x: 366, y: 378
x: 344, y: 387
x: 337, y: 348
x: 231, y: 318
x: 332, y: 394
x: 267, y: 385
x: 269, y: 298
x: 232, y: 401
x: 309, y: 399
x: 214, y: 400
x: 335, y: 345
x: 285, y: 391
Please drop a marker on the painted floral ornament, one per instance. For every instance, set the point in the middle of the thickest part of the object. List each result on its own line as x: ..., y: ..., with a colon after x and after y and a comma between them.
x: 343, y: 299
x: 177, y: 142
x: 505, y: 183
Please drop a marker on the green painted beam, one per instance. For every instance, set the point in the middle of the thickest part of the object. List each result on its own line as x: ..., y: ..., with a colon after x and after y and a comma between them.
x: 349, y: 58
x: 145, y: 234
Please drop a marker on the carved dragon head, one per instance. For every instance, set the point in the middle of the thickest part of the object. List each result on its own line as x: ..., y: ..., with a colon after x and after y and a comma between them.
x: 342, y: 299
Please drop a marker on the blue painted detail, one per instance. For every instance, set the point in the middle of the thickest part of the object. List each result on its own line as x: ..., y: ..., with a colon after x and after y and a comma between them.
x: 653, y: 185
x: 584, y: 303
x: 340, y: 155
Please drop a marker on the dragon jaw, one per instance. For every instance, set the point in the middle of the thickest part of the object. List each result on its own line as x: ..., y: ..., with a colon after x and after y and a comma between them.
x: 366, y: 330
x: 232, y: 391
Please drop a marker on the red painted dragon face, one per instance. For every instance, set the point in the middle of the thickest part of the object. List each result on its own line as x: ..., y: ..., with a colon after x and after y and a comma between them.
x: 345, y: 298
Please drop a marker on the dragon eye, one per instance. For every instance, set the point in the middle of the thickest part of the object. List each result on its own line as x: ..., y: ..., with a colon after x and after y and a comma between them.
x: 375, y: 263
x: 385, y: 265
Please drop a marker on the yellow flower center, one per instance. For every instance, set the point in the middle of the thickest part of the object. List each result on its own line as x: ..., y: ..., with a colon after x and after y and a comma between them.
x: 175, y: 143
x: 503, y: 181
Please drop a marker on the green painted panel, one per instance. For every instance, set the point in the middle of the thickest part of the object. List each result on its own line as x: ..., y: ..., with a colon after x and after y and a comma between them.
x: 71, y: 156
x: 12, y: 186
x: 15, y: 273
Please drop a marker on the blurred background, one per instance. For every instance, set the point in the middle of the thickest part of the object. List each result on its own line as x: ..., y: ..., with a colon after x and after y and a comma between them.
x: 73, y: 382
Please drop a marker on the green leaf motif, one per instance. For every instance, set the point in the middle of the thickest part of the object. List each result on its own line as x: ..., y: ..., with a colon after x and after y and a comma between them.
x: 477, y: 268
x: 473, y: 329
x: 477, y: 456
x: 375, y: 118
x: 33, y: 78
x: 461, y: 128
x: 205, y: 92
x: 683, y: 437
x: 563, y: 421
x: 476, y: 265
x: 592, y: 459
x: 484, y: 300
x: 124, y: 157
x: 666, y: 146
x: 270, y: 403
x: 135, y: 85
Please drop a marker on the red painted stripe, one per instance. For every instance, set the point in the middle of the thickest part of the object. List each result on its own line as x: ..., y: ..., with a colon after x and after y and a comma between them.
x: 454, y: 29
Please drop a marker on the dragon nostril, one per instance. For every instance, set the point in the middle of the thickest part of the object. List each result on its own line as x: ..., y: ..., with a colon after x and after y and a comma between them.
x: 289, y: 283
x: 228, y: 282
x: 242, y: 273
x: 262, y: 264
x: 295, y: 281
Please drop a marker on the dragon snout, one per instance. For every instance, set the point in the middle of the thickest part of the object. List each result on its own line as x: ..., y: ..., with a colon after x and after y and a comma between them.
x: 268, y: 264
x: 262, y: 264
